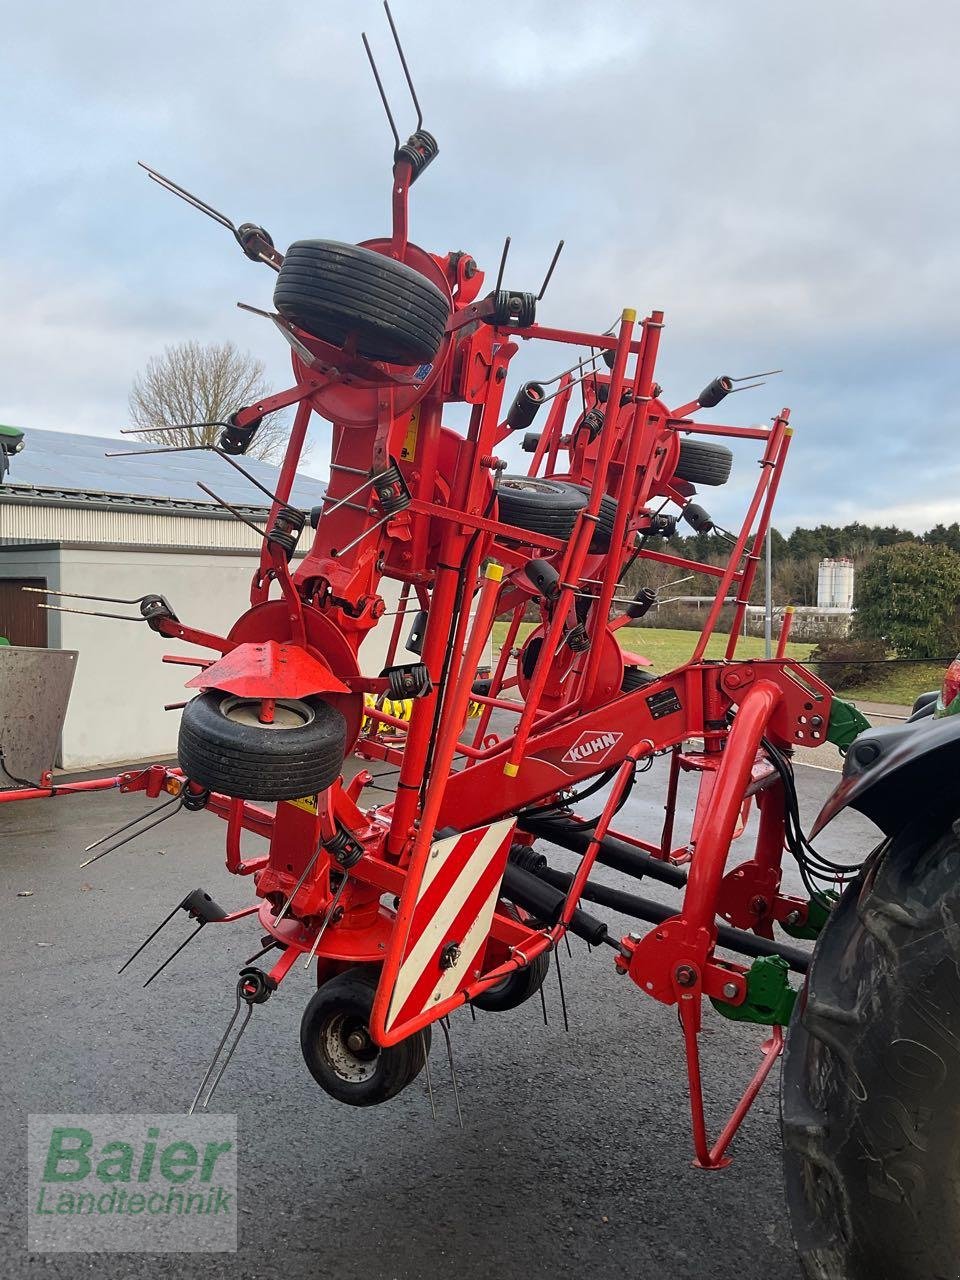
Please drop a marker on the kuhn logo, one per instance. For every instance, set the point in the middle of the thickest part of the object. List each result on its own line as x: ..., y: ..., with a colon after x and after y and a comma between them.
x: 592, y: 748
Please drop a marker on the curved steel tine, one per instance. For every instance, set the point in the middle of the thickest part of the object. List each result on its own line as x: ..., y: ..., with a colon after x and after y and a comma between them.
x: 444, y: 1027
x: 748, y: 388
x: 403, y: 63
x: 546, y: 278
x: 189, y: 938
x: 76, y: 595
x: 230, y: 1052
x: 503, y: 263
x: 297, y: 887
x: 563, y: 1001
x: 175, y: 189
x: 146, y: 942
x: 233, y: 510
x: 334, y: 903
x: 142, y: 817
x: 383, y: 95
x: 426, y: 1068
x: 174, y: 426
x: 223, y: 1041
x: 133, y: 835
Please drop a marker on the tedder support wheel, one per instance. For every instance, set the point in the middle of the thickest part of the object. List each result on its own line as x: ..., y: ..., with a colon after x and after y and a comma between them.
x: 224, y: 746
x: 551, y: 507
x: 337, y: 1048
x: 702, y: 462
x: 338, y: 291
x: 635, y: 677
x: 870, y: 1097
x: 516, y: 987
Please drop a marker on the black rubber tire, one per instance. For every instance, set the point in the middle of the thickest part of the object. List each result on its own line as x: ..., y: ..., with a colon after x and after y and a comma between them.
x: 256, y: 762
x: 635, y: 677
x: 516, y: 988
x: 870, y: 1099
x: 703, y: 462
x: 360, y: 1078
x: 551, y: 507
x: 335, y: 291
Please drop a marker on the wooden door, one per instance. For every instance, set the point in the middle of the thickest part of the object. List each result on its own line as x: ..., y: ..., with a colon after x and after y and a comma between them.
x: 21, y: 621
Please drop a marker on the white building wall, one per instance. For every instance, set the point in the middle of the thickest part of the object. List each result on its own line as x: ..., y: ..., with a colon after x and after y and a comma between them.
x: 89, y: 523
x: 116, y: 710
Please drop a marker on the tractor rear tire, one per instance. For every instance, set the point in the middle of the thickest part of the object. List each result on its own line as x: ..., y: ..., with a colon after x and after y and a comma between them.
x: 338, y: 291
x: 516, y: 987
x: 870, y: 1098
x: 702, y: 462
x: 225, y: 748
x: 551, y: 507
x: 336, y: 1045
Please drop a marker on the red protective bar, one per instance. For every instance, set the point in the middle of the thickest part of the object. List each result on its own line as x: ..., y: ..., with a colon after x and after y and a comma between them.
x: 753, y: 559
x: 496, y: 683
x: 443, y: 756
x: 733, y: 777
x: 572, y: 564
x: 624, y: 775
x: 785, y: 628
x: 288, y: 473
x: 736, y: 555
x: 550, y: 436
x: 643, y: 392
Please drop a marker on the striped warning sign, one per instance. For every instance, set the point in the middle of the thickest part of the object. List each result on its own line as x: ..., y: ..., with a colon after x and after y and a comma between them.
x: 451, y: 918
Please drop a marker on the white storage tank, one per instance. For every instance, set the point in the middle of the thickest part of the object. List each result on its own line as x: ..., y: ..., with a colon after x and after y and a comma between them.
x: 835, y: 584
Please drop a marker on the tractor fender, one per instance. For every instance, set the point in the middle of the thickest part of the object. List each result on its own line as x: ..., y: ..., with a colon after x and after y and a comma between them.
x: 893, y: 773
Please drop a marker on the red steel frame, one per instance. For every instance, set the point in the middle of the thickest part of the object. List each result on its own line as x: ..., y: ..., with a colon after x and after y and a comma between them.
x: 304, y: 627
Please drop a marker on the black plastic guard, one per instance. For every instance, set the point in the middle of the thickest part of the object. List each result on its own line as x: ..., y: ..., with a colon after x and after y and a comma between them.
x: 898, y: 772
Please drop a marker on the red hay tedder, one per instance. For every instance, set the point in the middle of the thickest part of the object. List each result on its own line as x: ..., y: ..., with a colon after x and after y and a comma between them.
x: 440, y: 898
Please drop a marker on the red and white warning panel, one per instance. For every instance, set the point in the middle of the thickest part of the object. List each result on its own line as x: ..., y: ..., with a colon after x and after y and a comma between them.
x: 451, y: 919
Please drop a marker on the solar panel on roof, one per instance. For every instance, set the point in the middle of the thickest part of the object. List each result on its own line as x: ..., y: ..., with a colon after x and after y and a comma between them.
x: 62, y: 460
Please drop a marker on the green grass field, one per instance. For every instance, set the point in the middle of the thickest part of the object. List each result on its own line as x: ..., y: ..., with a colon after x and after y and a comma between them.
x: 668, y: 649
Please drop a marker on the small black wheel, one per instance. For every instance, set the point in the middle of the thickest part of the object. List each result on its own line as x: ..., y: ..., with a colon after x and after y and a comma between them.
x: 870, y: 1099
x: 635, y: 677
x: 337, y: 1047
x: 224, y: 746
x: 703, y: 462
x: 516, y: 987
x: 337, y: 291
x: 551, y: 507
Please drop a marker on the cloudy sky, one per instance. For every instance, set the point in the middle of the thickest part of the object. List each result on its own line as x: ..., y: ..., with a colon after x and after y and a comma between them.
x: 782, y: 180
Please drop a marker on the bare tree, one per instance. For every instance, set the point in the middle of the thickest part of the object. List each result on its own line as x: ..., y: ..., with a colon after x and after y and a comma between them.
x: 202, y: 383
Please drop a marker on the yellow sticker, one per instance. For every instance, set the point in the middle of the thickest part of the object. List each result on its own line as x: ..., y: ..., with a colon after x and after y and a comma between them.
x: 409, y: 447
x: 308, y: 804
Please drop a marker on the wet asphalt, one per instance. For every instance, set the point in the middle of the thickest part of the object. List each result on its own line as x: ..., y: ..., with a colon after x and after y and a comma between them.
x: 575, y: 1154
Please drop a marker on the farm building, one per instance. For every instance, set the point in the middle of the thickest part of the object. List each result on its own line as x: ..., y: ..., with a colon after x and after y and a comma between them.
x: 75, y: 520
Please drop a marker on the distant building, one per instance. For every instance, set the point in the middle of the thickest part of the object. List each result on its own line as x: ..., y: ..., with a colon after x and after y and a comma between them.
x: 73, y: 520
x: 835, y: 585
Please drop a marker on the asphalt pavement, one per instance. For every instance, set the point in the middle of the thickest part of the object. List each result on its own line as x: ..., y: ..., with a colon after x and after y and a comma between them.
x: 575, y: 1155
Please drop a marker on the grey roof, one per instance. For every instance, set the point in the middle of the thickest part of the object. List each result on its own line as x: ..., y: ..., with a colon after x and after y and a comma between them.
x: 61, y: 462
